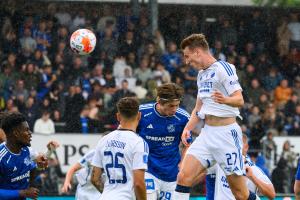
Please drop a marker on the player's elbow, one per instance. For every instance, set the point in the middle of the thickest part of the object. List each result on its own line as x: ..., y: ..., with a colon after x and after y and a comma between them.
x: 269, y: 192
x: 240, y: 102
x: 139, y: 185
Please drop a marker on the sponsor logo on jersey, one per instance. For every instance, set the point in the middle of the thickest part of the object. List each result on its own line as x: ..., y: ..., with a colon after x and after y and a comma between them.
x: 150, y: 184
x: 26, y: 175
x: 160, y: 139
x: 15, y: 169
x: 234, y: 82
x: 145, y: 158
x: 27, y: 161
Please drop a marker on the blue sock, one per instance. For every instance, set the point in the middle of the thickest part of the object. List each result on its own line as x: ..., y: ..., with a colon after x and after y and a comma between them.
x: 182, y: 189
x: 252, y: 196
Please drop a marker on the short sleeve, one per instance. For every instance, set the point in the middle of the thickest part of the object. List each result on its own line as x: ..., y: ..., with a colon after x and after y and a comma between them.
x: 33, y: 153
x: 140, y: 155
x: 97, y: 158
x: 228, y: 77
x: 87, y: 158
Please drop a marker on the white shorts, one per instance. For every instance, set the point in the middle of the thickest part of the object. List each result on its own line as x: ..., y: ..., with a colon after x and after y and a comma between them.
x: 158, y: 189
x: 87, y: 192
x: 222, y: 145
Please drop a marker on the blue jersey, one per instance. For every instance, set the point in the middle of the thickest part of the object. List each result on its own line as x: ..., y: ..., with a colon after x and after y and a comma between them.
x: 298, y: 172
x: 15, y: 169
x: 163, y: 135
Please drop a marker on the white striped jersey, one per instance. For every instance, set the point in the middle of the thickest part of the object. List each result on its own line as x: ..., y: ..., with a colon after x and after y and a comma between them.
x: 220, y: 76
x: 119, y: 153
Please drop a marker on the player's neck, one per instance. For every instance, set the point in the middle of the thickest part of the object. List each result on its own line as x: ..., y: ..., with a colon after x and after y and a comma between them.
x: 12, y: 147
x: 128, y: 126
x: 209, y: 61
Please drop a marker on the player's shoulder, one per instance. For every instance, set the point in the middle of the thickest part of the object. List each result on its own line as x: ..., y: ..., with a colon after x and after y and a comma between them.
x: 3, y: 151
x: 146, y: 107
x: 182, y: 113
x: 224, y: 68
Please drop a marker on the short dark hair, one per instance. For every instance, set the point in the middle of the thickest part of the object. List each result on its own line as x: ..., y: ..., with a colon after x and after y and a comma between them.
x: 193, y: 41
x: 10, y: 121
x: 169, y: 92
x: 128, y: 107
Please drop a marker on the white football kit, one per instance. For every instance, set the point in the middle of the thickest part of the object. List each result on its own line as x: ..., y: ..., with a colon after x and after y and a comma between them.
x: 221, y: 144
x: 85, y: 189
x: 222, y: 190
x: 119, y: 153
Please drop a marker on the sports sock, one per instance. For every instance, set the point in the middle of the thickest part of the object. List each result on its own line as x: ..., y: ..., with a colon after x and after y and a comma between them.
x: 182, y: 193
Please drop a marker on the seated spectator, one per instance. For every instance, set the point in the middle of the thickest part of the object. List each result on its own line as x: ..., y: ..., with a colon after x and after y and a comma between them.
x: 254, y: 92
x: 217, y: 51
x: 83, y: 124
x: 119, y: 65
x: 282, y: 93
x: 296, y: 88
x: 122, y: 92
x: 28, y: 44
x: 143, y: 73
x: 254, y: 116
x: 139, y: 90
x: 44, y: 125
x: 47, y: 80
x: 42, y: 38
x: 272, y: 80
x: 30, y: 77
x: 290, y: 106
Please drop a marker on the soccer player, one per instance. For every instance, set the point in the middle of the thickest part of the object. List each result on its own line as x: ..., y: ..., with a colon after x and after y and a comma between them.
x: 297, y: 183
x: 17, y: 170
x: 218, y: 99
x: 122, y: 155
x: 161, y: 126
x: 257, y: 180
x: 85, y: 189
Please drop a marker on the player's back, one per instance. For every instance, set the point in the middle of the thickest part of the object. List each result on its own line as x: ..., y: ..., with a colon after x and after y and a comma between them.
x: 15, y: 168
x: 119, y: 153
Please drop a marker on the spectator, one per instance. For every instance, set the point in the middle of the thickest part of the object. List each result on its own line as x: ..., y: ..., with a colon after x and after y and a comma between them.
x: 119, y: 65
x: 109, y: 44
x: 44, y: 125
x: 143, y: 73
x: 171, y: 59
x: 79, y: 20
x: 282, y: 93
x: 272, y: 80
x: 83, y: 124
x: 227, y: 33
x: 283, y: 37
x: 122, y: 92
x: 107, y: 20
x: 254, y: 116
x: 47, y: 80
x: 128, y: 44
x: 28, y: 44
x: 269, y: 150
x: 139, y: 90
x: 163, y: 73
x: 42, y: 38
x: 217, y: 51
x: 296, y: 122
x: 30, y: 77
x: 294, y: 28
x: 254, y: 92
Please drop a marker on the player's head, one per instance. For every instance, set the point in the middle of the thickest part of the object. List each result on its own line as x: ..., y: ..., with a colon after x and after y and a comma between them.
x: 245, y: 144
x: 195, y: 48
x: 128, y: 110
x: 16, y: 129
x: 169, y: 96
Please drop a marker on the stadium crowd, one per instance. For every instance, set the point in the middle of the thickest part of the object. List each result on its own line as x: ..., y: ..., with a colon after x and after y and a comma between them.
x: 59, y: 91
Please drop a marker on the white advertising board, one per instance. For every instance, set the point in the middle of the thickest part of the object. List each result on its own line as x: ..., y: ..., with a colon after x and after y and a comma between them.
x: 72, y: 146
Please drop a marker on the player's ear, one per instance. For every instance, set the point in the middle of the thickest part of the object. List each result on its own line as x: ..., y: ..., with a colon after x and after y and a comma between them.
x: 118, y: 117
x: 157, y: 99
x: 139, y: 116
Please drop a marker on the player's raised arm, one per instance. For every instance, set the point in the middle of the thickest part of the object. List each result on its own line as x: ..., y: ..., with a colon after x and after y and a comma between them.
x: 194, y: 120
x: 235, y: 99
x: 68, y: 180
x: 264, y: 188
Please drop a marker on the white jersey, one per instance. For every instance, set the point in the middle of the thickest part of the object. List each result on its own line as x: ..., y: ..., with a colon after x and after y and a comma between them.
x: 119, y: 153
x: 222, y: 190
x: 85, y: 189
x: 220, y: 76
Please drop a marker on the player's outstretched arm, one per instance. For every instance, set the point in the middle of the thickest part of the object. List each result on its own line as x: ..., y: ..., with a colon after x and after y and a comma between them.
x: 68, y: 180
x: 96, y: 178
x: 194, y: 120
x: 297, y: 190
x: 235, y: 99
x: 266, y: 189
x: 139, y: 184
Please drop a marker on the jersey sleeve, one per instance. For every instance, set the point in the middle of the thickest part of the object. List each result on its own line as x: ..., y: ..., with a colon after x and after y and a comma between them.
x: 228, y: 77
x: 33, y: 153
x: 258, y: 173
x: 98, y: 157
x: 140, y: 155
x: 87, y: 158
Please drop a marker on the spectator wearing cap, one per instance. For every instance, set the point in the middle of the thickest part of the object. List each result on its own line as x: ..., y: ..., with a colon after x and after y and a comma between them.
x: 44, y: 125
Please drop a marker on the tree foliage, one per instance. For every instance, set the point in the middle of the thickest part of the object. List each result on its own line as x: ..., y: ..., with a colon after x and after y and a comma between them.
x: 284, y: 3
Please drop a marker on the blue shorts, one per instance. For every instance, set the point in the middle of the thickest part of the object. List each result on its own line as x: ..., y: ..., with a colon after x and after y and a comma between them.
x: 298, y: 173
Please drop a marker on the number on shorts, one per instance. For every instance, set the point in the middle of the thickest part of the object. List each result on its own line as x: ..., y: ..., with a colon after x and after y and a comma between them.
x: 165, y: 195
x: 115, y: 164
x: 230, y: 159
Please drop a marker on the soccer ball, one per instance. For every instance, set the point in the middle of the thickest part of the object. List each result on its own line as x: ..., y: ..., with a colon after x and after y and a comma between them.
x: 83, y: 41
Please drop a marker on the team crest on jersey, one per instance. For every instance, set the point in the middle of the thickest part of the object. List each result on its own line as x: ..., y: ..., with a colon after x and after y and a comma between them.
x: 27, y: 161
x: 171, y: 128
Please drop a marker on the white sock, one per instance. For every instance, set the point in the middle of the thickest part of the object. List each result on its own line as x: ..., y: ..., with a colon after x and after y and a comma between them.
x: 181, y: 196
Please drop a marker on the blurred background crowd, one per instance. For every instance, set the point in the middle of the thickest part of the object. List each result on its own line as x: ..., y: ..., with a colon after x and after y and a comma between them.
x: 59, y: 91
